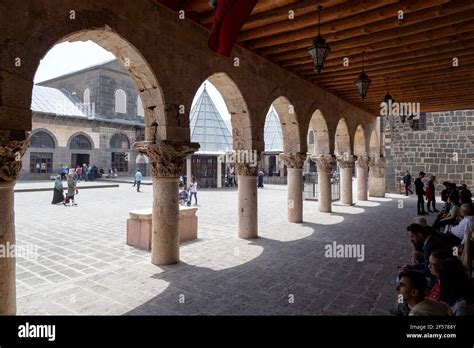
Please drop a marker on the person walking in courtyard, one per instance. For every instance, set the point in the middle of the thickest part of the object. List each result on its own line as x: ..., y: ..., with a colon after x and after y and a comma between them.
x: 420, y: 192
x: 260, y: 179
x: 71, y: 190
x: 58, y: 196
x: 407, y: 183
x: 138, y: 179
x: 430, y: 195
x: 193, y: 191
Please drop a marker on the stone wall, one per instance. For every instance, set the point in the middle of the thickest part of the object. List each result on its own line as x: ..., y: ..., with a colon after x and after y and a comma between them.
x: 444, y: 149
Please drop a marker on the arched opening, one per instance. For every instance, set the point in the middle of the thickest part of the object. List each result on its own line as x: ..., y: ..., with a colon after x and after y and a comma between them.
x: 360, y: 145
x: 342, y: 145
x: 86, y: 96
x: 119, y: 145
x: 289, y: 124
x: 374, y: 145
x: 319, y: 126
x: 120, y: 101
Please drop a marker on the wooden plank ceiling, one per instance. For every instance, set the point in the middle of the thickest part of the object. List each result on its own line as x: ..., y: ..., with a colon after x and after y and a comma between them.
x: 416, y: 53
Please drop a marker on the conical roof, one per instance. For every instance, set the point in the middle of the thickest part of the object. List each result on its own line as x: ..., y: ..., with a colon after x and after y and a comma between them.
x: 207, y: 127
x: 272, y: 132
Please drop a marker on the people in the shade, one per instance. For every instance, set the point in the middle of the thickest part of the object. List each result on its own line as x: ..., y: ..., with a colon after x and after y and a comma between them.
x: 435, y: 259
x: 449, y: 218
x: 71, y: 190
x: 260, y: 179
x: 455, y: 287
x: 58, y: 196
x: 431, y: 195
x: 411, y: 289
x: 465, y: 195
x: 193, y: 191
x: 425, y: 241
x: 420, y: 192
x: 407, y: 182
x: 465, y: 228
x: 138, y: 179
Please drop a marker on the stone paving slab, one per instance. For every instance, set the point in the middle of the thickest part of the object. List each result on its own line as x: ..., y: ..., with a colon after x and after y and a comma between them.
x: 85, y: 267
x: 48, y: 185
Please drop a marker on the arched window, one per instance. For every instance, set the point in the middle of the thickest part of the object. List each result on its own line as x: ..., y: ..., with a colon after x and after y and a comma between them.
x: 119, y: 141
x: 87, y: 96
x: 80, y: 142
x: 311, y: 138
x: 140, y: 111
x: 42, y: 140
x: 120, y: 101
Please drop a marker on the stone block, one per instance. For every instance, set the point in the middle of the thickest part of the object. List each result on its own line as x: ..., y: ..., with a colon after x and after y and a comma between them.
x: 139, y: 226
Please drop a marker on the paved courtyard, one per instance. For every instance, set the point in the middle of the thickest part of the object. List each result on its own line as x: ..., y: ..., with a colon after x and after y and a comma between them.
x: 85, y: 267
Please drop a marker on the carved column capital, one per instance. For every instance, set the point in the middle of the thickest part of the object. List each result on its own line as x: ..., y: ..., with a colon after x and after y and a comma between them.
x: 293, y: 160
x: 13, y: 145
x: 324, y: 163
x: 167, y: 158
x: 346, y: 161
x: 362, y: 162
x: 246, y: 162
x: 377, y: 166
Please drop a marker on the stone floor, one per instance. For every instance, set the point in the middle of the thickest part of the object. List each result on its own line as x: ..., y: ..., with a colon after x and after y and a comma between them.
x: 84, y: 267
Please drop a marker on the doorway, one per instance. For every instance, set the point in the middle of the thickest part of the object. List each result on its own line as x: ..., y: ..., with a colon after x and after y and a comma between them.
x: 79, y: 159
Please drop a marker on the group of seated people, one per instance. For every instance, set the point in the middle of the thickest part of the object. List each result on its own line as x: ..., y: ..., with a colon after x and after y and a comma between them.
x: 439, y: 280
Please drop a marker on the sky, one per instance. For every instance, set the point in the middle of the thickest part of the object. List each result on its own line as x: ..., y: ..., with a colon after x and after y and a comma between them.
x: 68, y: 57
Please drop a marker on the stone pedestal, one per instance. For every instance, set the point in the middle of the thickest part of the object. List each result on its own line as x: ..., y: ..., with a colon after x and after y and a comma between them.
x: 247, y: 201
x: 362, y: 170
x: 12, y: 147
x: 377, y: 176
x: 324, y: 164
x: 167, y: 159
x: 294, y: 163
x: 140, y: 229
x: 346, y: 163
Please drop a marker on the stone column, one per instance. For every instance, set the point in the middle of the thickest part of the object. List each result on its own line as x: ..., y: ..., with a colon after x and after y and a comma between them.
x: 219, y: 172
x: 346, y: 163
x: 377, y: 167
x: 189, y: 172
x: 12, y: 147
x: 362, y: 172
x: 324, y: 164
x: 167, y: 159
x: 294, y: 163
x: 248, y: 203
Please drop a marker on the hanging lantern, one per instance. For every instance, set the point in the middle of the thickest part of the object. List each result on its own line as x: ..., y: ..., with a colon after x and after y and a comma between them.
x: 387, y: 99
x: 363, y: 82
x: 403, y: 118
x: 319, y: 50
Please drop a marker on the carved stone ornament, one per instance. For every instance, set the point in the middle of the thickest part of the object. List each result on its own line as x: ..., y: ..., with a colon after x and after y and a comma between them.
x: 324, y: 163
x: 293, y: 160
x: 346, y: 161
x: 362, y: 162
x: 248, y: 168
x: 377, y: 166
x: 13, y: 145
x: 167, y: 158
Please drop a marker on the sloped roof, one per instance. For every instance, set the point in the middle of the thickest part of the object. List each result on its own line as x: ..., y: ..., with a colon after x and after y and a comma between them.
x: 273, y: 134
x: 53, y: 101
x: 208, y: 128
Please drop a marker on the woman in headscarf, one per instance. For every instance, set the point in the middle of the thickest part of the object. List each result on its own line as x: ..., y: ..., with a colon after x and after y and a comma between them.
x: 58, y: 196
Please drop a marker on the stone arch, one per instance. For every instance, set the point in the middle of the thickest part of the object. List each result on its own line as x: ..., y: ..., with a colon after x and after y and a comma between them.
x: 360, y: 147
x: 140, y: 71
x: 342, y: 141
x: 83, y: 134
x: 319, y: 126
x: 289, y: 125
x: 238, y: 109
x: 374, y: 145
x: 44, y: 130
x: 116, y: 137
